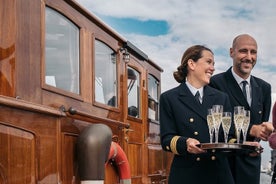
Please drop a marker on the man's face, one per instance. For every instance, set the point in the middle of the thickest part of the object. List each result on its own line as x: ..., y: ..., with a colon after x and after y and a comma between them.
x: 244, y: 55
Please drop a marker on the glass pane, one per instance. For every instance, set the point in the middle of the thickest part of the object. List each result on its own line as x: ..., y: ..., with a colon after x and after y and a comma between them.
x: 62, y: 52
x: 133, y: 92
x: 105, y: 74
x: 153, y: 98
x: 154, y: 133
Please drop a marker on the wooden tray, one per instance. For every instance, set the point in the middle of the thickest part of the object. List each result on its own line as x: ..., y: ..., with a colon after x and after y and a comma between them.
x: 229, y: 147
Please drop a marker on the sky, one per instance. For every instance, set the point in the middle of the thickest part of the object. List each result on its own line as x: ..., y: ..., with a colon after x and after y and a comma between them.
x: 164, y: 29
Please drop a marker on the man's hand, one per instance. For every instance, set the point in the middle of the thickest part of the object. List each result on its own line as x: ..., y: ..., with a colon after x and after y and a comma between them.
x: 262, y: 131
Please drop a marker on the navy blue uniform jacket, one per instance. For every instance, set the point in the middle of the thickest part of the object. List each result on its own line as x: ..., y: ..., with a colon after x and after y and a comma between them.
x: 181, y: 115
x: 246, y: 169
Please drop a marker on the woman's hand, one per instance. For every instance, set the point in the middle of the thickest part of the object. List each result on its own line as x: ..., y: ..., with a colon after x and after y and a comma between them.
x: 258, y: 145
x: 192, y: 146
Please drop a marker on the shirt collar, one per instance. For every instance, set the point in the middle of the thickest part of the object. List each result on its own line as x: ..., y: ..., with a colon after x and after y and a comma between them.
x: 194, y: 90
x: 238, y: 78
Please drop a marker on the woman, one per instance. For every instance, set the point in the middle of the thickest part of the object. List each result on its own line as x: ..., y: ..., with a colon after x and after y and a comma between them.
x: 183, y: 123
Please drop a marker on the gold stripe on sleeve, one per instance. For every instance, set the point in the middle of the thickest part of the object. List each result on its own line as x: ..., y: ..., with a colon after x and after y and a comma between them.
x: 173, y: 144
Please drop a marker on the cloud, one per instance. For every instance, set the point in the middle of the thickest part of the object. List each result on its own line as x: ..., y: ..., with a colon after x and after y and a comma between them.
x: 212, y: 23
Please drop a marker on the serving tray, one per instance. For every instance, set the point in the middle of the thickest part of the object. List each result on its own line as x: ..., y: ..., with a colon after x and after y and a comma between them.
x: 230, y: 147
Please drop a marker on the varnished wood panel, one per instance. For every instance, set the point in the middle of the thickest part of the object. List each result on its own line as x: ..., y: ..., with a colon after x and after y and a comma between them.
x: 44, y: 129
x: 17, y: 160
x: 168, y: 157
x: 69, y: 169
x: 135, y: 156
x: 7, y: 47
x: 155, y: 159
x: 28, y: 50
x: 136, y: 134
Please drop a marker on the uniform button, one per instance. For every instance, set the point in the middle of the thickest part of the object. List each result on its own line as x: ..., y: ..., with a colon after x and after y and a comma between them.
x: 260, y: 112
x: 191, y: 120
x: 195, y: 133
x: 198, y: 159
x: 167, y: 147
x: 213, y: 150
x: 213, y: 158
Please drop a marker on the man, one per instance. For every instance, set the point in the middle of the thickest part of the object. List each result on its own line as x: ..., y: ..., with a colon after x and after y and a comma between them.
x: 255, y: 95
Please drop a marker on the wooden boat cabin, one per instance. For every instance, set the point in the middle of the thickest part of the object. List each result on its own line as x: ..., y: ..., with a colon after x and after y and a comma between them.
x: 64, y: 74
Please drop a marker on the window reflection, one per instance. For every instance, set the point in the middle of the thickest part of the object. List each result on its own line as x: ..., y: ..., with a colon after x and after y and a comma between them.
x: 133, y: 92
x: 105, y: 74
x: 62, y: 52
x: 154, y: 133
x: 153, y: 111
x: 153, y: 86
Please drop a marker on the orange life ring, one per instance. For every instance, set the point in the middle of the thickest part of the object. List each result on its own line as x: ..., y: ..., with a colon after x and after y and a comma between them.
x: 118, y: 155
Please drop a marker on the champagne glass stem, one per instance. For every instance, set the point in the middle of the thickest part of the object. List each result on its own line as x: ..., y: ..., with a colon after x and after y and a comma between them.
x: 225, y: 137
x: 216, y: 135
x: 244, y: 137
x: 238, y: 136
x: 211, y: 136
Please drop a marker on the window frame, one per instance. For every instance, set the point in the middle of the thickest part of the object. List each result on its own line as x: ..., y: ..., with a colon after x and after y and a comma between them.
x: 97, y: 103
x: 46, y: 86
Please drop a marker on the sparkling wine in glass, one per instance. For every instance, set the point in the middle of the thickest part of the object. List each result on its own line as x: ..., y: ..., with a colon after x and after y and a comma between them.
x: 238, y: 120
x: 217, y: 116
x: 245, y: 125
x: 226, y: 124
x: 210, y: 124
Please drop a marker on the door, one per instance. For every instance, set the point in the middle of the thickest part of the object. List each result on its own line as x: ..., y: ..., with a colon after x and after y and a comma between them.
x: 136, y: 117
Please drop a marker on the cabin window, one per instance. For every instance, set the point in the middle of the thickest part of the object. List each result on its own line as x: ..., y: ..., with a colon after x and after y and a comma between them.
x: 133, y: 92
x: 153, y: 86
x: 153, y: 115
x: 62, y: 52
x: 105, y: 74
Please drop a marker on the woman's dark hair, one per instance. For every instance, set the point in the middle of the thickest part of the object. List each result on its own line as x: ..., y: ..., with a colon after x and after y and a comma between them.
x: 194, y: 53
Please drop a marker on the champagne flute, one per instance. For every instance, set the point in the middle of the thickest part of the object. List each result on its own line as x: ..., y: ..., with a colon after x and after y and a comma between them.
x: 245, y: 124
x: 226, y: 124
x: 238, y: 120
x: 210, y: 124
x: 217, y: 116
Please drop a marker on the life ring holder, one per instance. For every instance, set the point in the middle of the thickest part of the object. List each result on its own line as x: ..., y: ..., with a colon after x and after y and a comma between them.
x: 118, y: 156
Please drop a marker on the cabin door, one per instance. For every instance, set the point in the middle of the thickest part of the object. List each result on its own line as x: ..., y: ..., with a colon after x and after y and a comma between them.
x: 136, y: 117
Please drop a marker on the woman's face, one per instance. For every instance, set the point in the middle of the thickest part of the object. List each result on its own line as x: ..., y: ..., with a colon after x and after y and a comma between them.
x: 203, y: 69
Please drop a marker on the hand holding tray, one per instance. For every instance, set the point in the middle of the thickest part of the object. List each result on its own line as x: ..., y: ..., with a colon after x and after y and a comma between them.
x: 230, y: 147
